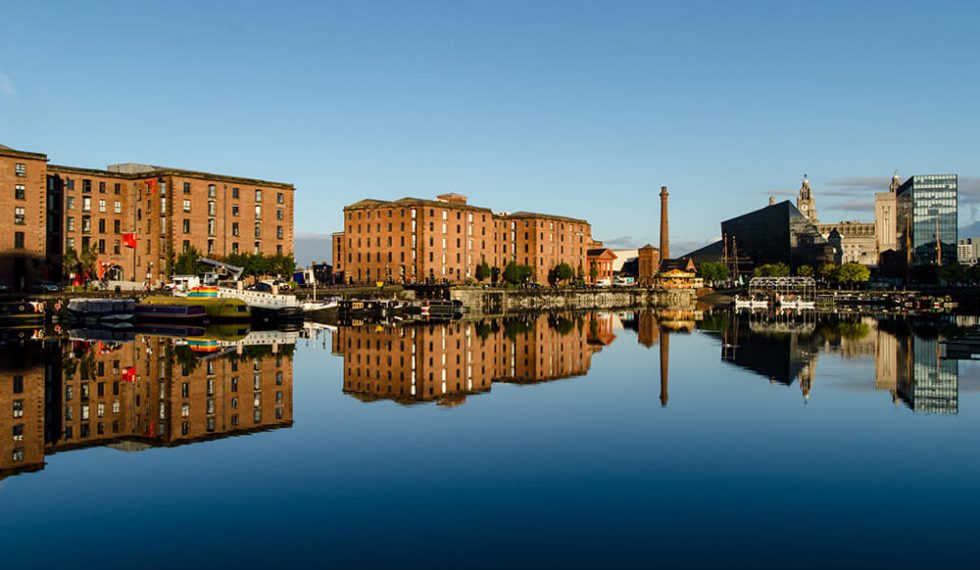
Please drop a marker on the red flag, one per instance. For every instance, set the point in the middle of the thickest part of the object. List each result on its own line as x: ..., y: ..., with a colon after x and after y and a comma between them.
x: 151, y: 184
x: 128, y: 374
x: 129, y: 240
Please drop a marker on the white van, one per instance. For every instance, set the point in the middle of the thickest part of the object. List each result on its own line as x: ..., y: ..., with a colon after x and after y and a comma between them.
x: 184, y: 283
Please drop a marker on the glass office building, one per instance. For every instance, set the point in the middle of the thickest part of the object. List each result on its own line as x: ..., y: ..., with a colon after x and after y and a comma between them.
x: 777, y: 234
x: 927, y: 219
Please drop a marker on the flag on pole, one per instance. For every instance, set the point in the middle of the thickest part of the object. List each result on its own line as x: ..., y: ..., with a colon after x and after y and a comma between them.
x: 129, y: 240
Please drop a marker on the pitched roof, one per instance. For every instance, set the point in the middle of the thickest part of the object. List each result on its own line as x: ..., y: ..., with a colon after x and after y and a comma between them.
x: 602, y: 252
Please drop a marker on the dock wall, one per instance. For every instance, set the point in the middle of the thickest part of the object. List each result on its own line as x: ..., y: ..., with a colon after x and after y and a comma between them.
x: 491, y: 302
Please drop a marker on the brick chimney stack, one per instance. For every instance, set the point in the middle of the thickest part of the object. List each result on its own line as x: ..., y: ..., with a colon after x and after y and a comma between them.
x: 664, y: 225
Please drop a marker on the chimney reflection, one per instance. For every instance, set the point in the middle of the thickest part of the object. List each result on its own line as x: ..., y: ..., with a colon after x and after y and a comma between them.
x: 148, y: 392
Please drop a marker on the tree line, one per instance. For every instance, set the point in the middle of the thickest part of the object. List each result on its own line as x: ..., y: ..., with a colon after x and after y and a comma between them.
x: 848, y: 274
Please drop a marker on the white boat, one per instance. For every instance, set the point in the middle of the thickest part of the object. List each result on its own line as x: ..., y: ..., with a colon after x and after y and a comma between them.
x: 751, y: 303
x: 797, y: 304
x: 103, y: 310
x: 311, y: 306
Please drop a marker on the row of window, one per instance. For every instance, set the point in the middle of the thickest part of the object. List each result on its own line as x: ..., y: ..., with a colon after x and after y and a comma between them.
x: 235, y: 193
x: 459, y: 216
x: 256, y: 249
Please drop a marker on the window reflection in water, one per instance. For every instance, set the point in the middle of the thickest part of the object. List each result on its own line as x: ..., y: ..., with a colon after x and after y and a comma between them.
x: 61, y: 395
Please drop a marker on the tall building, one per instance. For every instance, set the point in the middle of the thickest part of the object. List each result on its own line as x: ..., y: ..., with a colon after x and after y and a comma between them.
x: 968, y: 251
x: 927, y: 219
x: 805, y: 203
x: 412, y: 240
x: 775, y: 234
x: 24, y: 239
x: 137, y: 218
x: 855, y: 241
x: 648, y: 258
x: 886, y: 218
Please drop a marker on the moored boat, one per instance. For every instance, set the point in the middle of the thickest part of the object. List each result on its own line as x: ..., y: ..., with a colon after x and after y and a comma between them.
x: 216, y: 309
x: 156, y: 313
x: 21, y: 312
x: 102, y: 310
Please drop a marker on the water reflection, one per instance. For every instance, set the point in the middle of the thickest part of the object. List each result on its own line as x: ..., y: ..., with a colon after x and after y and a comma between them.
x: 907, y: 352
x: 446, y: 363
x: 145, y: 391
x: 135, y: 391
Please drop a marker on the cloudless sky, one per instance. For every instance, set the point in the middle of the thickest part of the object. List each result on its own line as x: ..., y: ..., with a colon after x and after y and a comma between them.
x: 577, y: 108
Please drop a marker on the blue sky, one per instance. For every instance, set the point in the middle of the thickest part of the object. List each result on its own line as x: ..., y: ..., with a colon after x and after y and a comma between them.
x: 577, y: 108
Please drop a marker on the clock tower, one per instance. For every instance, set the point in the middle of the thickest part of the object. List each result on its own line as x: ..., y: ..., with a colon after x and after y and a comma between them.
x: 805, y: 203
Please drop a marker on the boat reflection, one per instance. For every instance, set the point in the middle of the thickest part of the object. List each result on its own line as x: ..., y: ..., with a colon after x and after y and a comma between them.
x: 134, y: 391
x: 785, y: 348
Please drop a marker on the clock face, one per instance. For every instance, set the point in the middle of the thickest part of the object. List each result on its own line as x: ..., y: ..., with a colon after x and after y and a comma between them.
x: 804, y: 207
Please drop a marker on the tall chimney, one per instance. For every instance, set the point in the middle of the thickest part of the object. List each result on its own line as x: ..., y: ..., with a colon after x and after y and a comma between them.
x: 664, y: 225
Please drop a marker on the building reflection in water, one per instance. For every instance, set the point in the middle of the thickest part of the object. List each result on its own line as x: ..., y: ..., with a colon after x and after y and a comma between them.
x: 785, y: 348
x: 151, y: 391
x: 445, y: 363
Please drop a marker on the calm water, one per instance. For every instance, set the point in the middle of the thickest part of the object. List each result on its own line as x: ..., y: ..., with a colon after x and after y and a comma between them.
x: 597, y: 440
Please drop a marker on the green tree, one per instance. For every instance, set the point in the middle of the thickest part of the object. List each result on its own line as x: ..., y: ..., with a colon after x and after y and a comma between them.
x: 482, y: 271
x: 512, y: 273
x: 526, y: 273
x: 553, y: 276
x: 70, y: 263
x: 853, y: 273
x: 86, y: 263
x: 804, y: 271
x: 771, y: 270
x: 593, y: 271
x: 829, y: 271
x: 565, y: 272
x: 712, y: 271
x: 187, y: 262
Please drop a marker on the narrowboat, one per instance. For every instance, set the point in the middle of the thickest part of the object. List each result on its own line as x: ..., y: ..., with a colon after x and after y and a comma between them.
x: 154, y: 313
x: 102, y: 310
x: 216, y: 309
x: 21, y: 313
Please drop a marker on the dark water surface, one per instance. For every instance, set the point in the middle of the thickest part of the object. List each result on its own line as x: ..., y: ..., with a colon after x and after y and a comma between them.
x: 598, y: 440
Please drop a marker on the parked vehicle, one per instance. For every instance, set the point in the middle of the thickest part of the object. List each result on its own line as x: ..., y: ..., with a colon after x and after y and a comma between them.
x: 603, y: 283
x: 183, y: 283
x: 42, y: 287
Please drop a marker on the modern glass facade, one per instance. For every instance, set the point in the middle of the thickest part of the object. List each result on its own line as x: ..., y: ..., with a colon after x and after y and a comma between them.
x: 933, y: 387
x: 927, y: 219
x: 778, y: 234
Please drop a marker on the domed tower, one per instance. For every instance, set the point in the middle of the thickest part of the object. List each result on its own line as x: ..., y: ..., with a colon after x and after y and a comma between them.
x: 805, y: 203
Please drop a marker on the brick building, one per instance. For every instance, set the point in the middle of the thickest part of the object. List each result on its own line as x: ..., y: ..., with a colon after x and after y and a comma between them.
x: 23, y: 237
x: 167, y: 210
x: 413, y: 240
x: 602, y: 259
